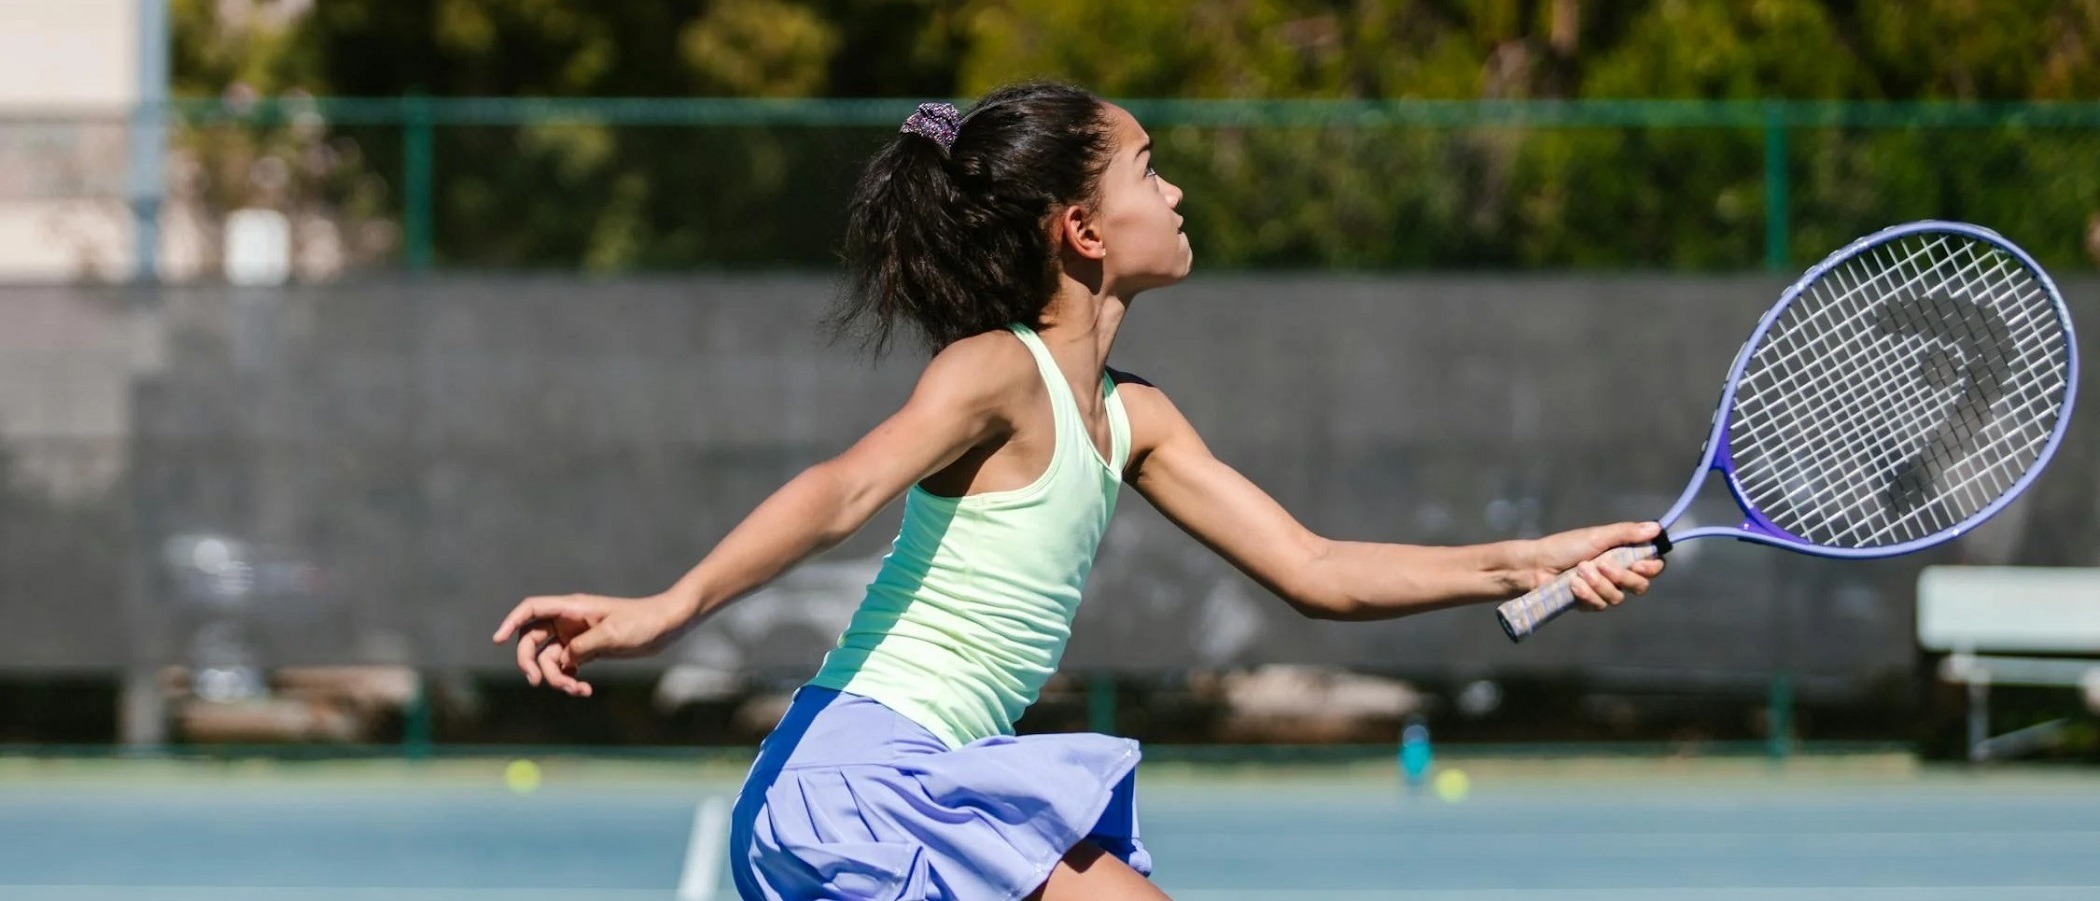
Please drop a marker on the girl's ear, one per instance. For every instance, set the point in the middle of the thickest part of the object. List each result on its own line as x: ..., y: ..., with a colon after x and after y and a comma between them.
x: 1076, y: 230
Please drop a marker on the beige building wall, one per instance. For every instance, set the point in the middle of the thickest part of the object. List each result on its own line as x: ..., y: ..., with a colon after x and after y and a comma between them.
x: 68, y: 80
x: 68, y: 53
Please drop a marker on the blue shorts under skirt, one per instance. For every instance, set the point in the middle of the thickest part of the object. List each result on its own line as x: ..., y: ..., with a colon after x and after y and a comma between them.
x: 848, y: 799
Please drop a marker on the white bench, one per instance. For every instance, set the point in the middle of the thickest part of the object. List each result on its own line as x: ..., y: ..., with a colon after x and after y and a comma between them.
x: 1982, y: 617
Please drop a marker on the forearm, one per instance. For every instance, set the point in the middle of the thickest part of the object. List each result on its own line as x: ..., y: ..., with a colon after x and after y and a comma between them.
x: 1358, y: 581
x: 812, y: 513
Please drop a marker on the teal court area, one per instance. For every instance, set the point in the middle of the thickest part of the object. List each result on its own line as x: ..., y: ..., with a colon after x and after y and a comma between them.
x: 1596, y: 831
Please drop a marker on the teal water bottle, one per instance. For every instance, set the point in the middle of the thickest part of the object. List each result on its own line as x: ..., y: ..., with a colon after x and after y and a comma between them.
x: 1415, y: 756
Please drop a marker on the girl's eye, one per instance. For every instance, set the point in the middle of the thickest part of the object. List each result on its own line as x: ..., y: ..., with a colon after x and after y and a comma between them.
x: 1149, y: 173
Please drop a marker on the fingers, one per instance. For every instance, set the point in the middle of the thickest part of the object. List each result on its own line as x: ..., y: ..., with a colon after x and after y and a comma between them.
x: 548, y: 664
x: 529, y: 643
x: 560, y: 672
x: 586, y: 646
x: 544, y: 626
x: 1601, y: 584
x: 527, y: 610
x: 1625, y: 580
x: 546, y: 660
x: 1585, y: 593
x: 1595, y: 589
x: 1625, y: 533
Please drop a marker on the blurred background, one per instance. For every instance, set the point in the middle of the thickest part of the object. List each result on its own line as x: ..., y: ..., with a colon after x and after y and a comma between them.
x: 331, y: 330
x: 328, y: 331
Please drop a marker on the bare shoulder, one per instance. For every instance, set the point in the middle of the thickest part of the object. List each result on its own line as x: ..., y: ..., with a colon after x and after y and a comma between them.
x: 992, y: 359
x: 1154, y: 420
x: 991, y: 371
x: 1130, y: 378
x: 1141, y: 397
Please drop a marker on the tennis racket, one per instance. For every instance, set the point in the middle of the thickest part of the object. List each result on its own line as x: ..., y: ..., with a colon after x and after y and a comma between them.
x: 1900, y: 392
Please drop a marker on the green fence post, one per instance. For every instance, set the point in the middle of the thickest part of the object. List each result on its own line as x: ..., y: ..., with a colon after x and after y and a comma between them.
x: 1101, y: 703
x: 1777, y: 228
x: 1779, y: 717
x: 416, y: 164
x: 417, y: 729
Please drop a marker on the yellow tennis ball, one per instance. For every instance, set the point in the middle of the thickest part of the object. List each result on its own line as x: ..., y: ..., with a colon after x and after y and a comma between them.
x: 522, y: 776
x: 1452, y: 785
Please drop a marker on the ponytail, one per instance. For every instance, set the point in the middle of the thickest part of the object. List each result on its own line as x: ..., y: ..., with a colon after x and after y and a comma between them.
x: 954, y: 238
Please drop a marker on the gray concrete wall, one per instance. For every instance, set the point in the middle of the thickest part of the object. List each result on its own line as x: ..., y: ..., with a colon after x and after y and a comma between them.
x: 395, y: 463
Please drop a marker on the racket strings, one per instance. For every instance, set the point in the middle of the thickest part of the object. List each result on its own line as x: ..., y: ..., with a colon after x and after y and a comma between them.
x: 1902, y: 392
x: 1842, y: 410
x: 1823, y: 380
x: 1905, y: 267
x: 1964, y: 440
x: 1912, y: 481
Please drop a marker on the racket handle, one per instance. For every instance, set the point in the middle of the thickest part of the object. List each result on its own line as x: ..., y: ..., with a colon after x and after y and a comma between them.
x: 1526, y: 614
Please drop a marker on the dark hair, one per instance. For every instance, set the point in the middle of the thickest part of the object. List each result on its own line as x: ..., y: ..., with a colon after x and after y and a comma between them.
x: 956, y: 240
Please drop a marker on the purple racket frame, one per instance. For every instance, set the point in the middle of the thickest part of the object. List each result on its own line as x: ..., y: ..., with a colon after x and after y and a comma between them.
x: 1520, y: 617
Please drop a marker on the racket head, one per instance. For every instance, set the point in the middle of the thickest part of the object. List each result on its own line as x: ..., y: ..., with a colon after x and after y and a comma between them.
x: 1900, y: 393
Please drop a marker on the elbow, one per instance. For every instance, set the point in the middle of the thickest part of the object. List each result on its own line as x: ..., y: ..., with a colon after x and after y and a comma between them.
x: 1315, y: 610
x: 833, y: 534
x: 1311, y: 590
x: 1329, y: 608
x: 850, y: 506
x: 1317, y: 599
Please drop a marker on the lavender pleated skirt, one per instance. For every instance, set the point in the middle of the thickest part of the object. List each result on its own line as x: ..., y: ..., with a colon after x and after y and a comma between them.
x: 848, y: 799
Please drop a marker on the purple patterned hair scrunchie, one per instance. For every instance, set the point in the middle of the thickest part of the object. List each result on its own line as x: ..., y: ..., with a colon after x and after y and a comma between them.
x: 938, y: 121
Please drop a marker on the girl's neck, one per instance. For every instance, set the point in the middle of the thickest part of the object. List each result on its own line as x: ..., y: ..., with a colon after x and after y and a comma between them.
x: 1080, y: 321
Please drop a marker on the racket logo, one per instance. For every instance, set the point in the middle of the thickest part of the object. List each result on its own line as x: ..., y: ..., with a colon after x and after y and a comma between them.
x: 1969, y: 345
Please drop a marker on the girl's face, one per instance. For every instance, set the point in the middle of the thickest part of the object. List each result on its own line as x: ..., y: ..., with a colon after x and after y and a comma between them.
x: 1141, y: 242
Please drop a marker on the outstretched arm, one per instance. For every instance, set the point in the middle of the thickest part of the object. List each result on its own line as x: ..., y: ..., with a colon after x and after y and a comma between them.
x: 961, y: 401
x: 1347, y: 580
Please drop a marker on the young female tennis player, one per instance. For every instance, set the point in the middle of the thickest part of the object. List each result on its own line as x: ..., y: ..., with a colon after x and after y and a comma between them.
x: 1013, y: 238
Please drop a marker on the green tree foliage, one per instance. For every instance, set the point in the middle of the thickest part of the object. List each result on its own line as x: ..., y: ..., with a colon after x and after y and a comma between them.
x: 1690, y: 197
x: 1352, y: 194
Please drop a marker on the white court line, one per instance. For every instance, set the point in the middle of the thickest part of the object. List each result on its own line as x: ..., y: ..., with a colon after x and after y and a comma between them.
x: 704, y: 851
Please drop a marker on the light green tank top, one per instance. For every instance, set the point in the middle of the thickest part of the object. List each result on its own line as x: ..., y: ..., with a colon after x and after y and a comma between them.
x: 971, y: 609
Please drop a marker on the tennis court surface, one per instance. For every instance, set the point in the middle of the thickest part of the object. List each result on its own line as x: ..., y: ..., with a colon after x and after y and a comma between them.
x: 159, y: 831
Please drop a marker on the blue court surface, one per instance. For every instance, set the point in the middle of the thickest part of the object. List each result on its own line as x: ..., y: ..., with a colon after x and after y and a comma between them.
x: 1643, y: 830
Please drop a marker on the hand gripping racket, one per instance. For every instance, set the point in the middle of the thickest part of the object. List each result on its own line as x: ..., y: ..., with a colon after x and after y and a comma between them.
x: 1901, y: 392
